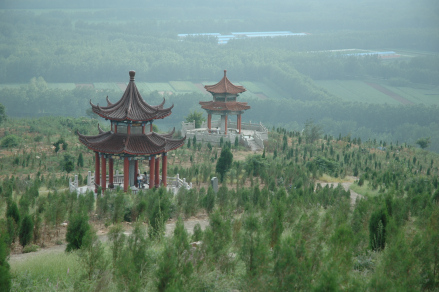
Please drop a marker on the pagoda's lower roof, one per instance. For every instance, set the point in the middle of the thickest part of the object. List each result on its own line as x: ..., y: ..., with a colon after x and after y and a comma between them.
x: 224, y: 106
x: 132, y: 144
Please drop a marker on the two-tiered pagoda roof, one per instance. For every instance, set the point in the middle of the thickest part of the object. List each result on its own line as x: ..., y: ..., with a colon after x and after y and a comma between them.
x: 131, y: 109
x: 224, y: 97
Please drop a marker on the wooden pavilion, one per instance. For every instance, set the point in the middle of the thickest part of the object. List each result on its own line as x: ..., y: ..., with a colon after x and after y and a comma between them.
x: 130, y: 140
x: 224, y: 103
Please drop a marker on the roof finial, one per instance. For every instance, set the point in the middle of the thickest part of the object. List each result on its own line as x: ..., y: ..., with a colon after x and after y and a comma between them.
x: 132, y: 74
x: 225, y: 72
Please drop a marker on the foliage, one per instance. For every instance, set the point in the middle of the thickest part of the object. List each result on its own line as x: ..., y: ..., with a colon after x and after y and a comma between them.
x: 197, y: 117
x: 377, y: 230
x: 5, y: 275
x: 312, y: 132
x: 76, y: 230
x: 224, y: 162
x: 423, y: 142
x: 3, y: 116
x: 10, y: 141
x: 26, y: 230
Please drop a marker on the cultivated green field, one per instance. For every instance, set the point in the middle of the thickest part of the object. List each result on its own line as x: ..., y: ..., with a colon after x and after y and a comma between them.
x: 360, y: 91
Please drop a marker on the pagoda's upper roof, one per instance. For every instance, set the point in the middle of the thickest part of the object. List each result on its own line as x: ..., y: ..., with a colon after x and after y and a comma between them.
x: 225, y: 86
x: 131, y: 107
x: 224, y: 106
x: 133, y: 144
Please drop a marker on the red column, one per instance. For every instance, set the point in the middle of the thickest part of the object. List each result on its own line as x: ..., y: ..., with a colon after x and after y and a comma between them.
x: 126, y: 174
x: 225, y: 125
x: 150, y: 127
x: 165, y: 169
x: 115, y: 128
x: 239, y: 123
x: 110, y: 171
x: 209, y: 121
x: 151, y: 171
x: 129, y: 129
x: 136, y: 172
x: 97, y: 172
x: 143, y: 128
x: 157, y: 172
x: 104, y: 173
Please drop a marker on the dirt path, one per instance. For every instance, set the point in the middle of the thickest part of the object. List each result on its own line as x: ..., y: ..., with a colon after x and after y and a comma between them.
x: 189, y: 224
x: 390, y: 93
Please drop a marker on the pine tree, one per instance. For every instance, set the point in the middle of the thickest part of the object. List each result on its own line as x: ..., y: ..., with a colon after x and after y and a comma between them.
x: 80, y: 160
x: 26, y: 230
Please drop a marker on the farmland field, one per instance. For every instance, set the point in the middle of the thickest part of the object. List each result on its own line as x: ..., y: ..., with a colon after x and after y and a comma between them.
x: 360, y: 91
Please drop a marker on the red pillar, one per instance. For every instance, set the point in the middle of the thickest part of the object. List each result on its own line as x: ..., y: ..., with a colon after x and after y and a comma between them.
x: 151, y: 171
x: 126, y: 174
x: 115, y: 128
x: 239, y: 123
x: 97, y: 172
x: 225, y: 125
x: 143, y: 128
x: 110, y: 171
x: 136, y: 172
x: 209, y: 121
x: 157, y: 172
x: 129, y: 129
x: 104, y: 173
x: 164, y: 169
x: 150, y: 127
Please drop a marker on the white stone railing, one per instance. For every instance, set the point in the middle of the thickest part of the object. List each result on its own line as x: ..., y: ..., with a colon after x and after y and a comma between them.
x: 258, y: 140
x: 118, y: 179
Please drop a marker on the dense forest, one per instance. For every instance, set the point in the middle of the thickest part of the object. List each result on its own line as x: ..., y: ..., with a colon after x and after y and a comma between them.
x: 278, y: 222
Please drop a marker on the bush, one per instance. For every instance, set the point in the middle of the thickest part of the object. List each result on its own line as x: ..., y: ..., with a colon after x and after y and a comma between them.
x: 30, y: 248
x: 76, y: 230
x: 26, y: 230
x: 5, y: 276
x: 377, y: 229
x: 10, y: 141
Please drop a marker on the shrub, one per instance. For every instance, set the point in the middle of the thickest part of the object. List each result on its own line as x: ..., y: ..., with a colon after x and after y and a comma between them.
x: 26, y: 230
x: 377, y: 229
x: 5, y: 276
x: 76, y: 230
x: 10, y: 141
x: 30, y: 248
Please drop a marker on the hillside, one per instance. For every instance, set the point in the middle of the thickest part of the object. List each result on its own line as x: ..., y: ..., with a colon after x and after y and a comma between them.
x: 274, y: 223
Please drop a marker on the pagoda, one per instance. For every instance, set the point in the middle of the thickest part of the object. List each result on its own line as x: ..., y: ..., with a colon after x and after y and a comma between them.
x: 130, y: 140
x: 224, y: 103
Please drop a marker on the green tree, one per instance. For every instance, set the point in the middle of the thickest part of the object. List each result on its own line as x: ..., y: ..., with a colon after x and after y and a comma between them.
x: 80, y: 162
x: 224, y: 162
x: 312, y: 132
x: 76, y: 230
x: 92, y: 256
x: 197, y: 117
x: 423, y: 142
x: 3, y: 116
x: 12, y: 211
x: 377, y: 229
x: 5, y: 276
x: 26, y: 230
x: 10, y: 141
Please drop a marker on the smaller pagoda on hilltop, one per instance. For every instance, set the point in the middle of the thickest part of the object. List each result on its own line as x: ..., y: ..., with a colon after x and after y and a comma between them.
x: 224, y: 103
x: 130, y: 140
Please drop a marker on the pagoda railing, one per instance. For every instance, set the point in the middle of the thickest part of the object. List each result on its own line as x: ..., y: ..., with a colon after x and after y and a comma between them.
x: 118, y: 179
